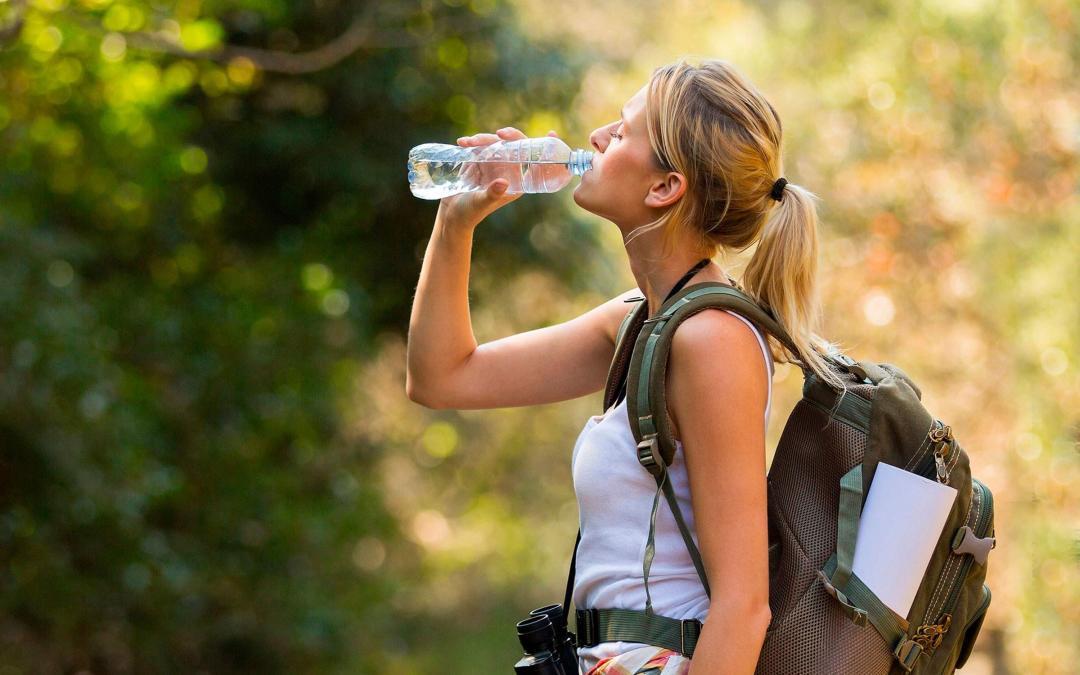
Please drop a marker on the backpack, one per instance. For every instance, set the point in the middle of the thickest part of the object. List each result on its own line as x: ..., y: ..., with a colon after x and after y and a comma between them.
x: 824, y: 619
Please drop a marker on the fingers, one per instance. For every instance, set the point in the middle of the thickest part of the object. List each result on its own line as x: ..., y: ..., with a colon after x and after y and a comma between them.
x: 504, y: 134
x: 510, y: 134
x: 478, y: 139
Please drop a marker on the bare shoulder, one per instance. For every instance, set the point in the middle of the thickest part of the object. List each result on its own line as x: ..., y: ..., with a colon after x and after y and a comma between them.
x: 712, y: 329
x: 715, y: 363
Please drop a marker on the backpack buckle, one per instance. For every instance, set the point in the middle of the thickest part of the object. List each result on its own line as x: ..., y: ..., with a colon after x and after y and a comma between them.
x: 648, y: 453
x: 858, y: 616
x: 844, y: 359
x: 689, y: 629
x: 966, y: 541
x: 907, y: 652
x: 588, y: 627
x: 852, y: 366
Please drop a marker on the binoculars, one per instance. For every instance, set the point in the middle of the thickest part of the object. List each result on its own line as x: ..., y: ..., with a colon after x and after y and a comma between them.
x: 549, y: 648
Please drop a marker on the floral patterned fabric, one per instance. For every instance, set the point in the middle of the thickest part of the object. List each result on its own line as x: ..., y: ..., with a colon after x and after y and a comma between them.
x: 643, y: 661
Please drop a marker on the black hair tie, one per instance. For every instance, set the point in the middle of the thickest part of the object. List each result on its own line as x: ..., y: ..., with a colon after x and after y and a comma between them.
x: 778, y: 189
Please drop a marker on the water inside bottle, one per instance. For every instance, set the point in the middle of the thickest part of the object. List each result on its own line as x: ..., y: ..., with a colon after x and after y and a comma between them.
x: 440, y: 170
x: 435, y: 180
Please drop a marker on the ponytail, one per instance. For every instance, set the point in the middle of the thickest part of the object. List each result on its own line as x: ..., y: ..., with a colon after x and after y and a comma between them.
x: 782, y: 274
x: 708, y: 122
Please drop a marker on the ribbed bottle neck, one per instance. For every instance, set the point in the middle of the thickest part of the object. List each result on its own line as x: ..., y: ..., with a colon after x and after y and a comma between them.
x: 580, y: 161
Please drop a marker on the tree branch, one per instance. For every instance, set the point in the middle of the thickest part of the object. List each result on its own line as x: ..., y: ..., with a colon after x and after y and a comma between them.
x: 357, y: 36
x: 11, y: 30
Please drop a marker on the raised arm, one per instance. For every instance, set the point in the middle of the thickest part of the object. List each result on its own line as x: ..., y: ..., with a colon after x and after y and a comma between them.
x: 446, y: 368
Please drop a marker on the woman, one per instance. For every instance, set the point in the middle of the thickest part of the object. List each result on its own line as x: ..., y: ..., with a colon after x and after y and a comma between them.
x: 693, y: 165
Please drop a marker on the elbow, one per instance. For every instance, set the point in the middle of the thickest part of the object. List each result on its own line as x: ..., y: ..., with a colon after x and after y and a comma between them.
x: 764, y: 617
x: 757, y: 611
x: 753, y: 614
x: 417, y: 395
x: 755, y: 622
x: 761, y: 617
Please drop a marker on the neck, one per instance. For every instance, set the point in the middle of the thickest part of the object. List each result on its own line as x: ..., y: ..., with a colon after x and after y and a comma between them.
x: 656, y: 276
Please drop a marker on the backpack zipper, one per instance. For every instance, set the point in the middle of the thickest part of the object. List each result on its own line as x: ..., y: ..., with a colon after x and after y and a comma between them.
x: 936, y: 464
x: 943, y: 438
x: 951, y: 585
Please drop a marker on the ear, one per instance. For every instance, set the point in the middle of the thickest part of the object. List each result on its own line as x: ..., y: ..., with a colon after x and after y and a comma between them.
x: 666, y: 190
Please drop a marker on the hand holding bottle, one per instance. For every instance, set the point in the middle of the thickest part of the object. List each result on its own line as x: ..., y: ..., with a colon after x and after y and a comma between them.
x: 468, y: 209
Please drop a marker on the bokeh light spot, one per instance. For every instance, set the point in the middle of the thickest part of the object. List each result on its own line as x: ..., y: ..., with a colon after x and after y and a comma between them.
x: 68, y: 70
x: 316, y: 277
x: 60, y: 273
x: 193, y: 159
x: 128, y: 196
x: 117, y: 18
x: 461, y: 109
x: 180, y: 75
x: 241, y: 71
x: 430, y: 528
x: 335, y: 302
x: 200, y: 35
x: 440, y: 439
x: 881, y: 95
x: 1028, y: 446
x: 49, y: 40
x: 453, y: 53
x: 207, y: 202
x: 1054, y: 361
x: 113, y: 47
x: 878, y: 308
x: 368, y: 554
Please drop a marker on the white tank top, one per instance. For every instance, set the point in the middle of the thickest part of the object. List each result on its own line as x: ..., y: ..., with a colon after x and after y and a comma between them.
x: 615, y: 495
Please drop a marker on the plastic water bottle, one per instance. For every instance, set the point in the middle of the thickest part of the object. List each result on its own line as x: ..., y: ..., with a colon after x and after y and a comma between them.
x: 531, y: 165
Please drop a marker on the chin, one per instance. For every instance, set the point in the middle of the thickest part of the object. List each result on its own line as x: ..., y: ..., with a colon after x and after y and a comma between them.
x: 578, y: 199
x: 584, y: 203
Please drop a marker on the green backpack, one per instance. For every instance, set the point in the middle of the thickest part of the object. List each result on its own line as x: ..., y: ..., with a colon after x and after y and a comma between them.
x: 824, y: 619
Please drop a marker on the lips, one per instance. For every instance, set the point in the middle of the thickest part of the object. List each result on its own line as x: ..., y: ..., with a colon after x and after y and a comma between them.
x: 592, y: 169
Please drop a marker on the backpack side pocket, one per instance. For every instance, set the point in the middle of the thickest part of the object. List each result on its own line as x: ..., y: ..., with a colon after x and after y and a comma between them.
x: 971, y: 632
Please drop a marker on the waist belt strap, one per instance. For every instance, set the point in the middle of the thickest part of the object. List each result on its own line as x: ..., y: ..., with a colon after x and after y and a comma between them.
x: 630, y: 625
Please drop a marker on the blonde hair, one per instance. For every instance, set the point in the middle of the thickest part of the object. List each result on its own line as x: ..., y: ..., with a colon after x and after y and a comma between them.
x: 710, y: 124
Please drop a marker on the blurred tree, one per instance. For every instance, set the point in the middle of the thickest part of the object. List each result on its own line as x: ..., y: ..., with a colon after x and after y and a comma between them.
x: 208, y: 247
x: 198, y: 248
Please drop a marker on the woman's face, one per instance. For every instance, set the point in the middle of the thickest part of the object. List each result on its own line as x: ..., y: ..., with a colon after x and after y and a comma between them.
x: 625, y: 184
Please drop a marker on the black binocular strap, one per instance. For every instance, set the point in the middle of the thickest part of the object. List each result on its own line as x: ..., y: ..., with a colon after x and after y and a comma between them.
x: 570, y: 578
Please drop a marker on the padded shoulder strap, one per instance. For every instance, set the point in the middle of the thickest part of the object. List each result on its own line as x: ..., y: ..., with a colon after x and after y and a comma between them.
x: 646, y: 398
x: 624, y: 345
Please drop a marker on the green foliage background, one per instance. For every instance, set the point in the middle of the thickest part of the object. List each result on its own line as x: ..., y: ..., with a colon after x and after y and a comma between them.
x: 207, y: 459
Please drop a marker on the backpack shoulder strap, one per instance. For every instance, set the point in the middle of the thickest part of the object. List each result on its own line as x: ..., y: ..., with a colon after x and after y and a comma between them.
x: 624, y: 345
x: 646, y: 398
x: 646, y: 395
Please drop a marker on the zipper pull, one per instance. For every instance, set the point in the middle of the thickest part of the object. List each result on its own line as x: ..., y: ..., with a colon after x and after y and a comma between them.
x: 941, y: 453
x: 942, y: 436
x: 942, y: 433
x: 939, y: 461
x: 930, y: 636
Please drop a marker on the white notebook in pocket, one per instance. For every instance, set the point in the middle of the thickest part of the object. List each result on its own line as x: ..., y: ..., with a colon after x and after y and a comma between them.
x: 901, y: 521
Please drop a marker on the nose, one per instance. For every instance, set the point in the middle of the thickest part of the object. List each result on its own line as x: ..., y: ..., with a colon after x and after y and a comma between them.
x: 597, y: 137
